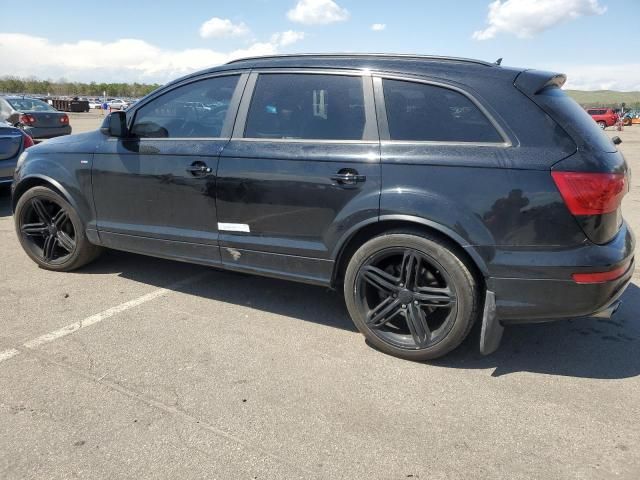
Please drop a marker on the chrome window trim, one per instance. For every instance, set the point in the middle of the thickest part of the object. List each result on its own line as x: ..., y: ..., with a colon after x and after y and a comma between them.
x: 305, y: 140
x: 163, y: 139
x: 383, y: 122
x: 440, y: 143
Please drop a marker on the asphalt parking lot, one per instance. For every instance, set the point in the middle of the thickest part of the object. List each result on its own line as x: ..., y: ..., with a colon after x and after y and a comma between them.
x: 137, y: 367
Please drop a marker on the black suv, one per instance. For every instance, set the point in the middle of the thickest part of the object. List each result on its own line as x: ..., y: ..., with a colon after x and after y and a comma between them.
x: 436, y: 191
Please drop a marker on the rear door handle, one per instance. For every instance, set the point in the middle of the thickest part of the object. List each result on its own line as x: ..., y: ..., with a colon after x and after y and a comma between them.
x: 348, y: 178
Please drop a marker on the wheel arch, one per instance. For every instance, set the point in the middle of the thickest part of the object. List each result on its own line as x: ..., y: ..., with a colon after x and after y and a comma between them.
x: 37, y: 180
x: 365, y: 231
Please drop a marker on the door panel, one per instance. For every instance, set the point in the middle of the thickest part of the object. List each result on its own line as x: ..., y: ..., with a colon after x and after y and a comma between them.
x: 311, y: 170
x: 148, y: 202
x: 143, y: 187
x: 154, y: 191
x: 285, y: 193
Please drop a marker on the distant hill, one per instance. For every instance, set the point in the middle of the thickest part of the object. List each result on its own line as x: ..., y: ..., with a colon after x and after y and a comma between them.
x: 605, y: 98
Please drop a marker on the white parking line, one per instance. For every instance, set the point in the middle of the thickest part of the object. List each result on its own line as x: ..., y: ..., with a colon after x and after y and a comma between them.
x: 97, y: 318
x: 7, y: 354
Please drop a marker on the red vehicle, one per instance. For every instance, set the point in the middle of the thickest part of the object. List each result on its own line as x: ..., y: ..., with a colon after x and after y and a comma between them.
x: 605, y: 117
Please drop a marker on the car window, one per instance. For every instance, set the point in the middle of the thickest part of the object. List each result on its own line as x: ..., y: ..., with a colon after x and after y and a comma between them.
x: 421, y: 112
x: 30, y: 105
x: 195, y: 110
x: 307, y: 106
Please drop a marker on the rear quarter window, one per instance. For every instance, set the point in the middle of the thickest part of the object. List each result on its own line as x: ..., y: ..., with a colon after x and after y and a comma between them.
x: 576, y: 121
x: 422, y: 112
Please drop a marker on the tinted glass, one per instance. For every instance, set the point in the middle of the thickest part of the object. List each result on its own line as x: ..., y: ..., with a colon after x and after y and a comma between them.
x: 419, y: 112
x: 303, y: 106
x: 573, y: 118
x: 196, y: 110
x: 597, y: 112
x: 30, y: 105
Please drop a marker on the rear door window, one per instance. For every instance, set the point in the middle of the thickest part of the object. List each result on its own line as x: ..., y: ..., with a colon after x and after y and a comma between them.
x: 307, y: 106
x: 422, y: 112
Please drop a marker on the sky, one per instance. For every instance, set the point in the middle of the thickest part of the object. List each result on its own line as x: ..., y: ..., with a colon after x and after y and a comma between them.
x: 595, y: 42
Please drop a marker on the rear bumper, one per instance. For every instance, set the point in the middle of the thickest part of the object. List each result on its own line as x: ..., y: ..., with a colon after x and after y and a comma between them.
x: 556, y: 295
x: 7, y: 167
x: 39, y: 133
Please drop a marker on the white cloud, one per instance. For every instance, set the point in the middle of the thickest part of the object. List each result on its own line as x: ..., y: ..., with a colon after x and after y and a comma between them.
x: 286, y: 38
x: 317, y: 12
x: 222, y: 27
x: 620, y: 77
x: 525, y: 18
x: 378, y: 27
x: 123, y: 60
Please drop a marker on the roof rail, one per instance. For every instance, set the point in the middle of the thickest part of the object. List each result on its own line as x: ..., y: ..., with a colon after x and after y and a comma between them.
x: 376, y: 55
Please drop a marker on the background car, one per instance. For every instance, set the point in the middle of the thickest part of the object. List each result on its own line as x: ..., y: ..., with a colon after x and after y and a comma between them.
x: 37, y: 118
x: 13, y: 142
x: 95, y: 103
x: 631, y: 117
x: 604, y: 117
x: 117, y: 104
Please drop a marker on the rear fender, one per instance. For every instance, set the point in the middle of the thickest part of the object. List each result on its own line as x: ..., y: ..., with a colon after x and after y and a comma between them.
x: 435, y: 209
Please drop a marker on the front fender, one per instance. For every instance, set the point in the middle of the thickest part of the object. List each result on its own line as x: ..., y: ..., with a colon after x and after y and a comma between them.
x: 69, y: 174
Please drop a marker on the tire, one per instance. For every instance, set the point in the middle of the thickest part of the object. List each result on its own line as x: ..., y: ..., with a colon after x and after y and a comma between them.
x: 602, y: 125
x: 51, y: 232
x: 424, y: 319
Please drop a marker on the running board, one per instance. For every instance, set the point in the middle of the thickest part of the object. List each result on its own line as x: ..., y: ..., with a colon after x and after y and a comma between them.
x: 492, y: 329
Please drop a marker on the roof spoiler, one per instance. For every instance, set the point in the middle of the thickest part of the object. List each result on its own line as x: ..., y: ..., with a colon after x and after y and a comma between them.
x: 532, y: 82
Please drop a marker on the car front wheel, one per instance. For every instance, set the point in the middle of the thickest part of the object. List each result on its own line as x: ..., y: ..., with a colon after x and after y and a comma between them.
x: 51, y: 232
x: 602, y: 125
x: 411, y: 295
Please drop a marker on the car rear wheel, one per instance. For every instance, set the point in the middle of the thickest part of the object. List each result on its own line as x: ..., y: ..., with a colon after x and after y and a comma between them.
x: 602, y: 125
x: 51, y: 232
x: 411, y: 295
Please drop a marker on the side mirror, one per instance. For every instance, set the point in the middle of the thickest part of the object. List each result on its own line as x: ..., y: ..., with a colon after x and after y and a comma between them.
x: 115, y: 125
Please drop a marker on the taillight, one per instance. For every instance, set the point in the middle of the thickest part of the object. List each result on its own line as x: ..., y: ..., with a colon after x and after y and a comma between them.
x: 600, y: 277
x: 27, y: 141
x: 64, y: 120
x: 587, y: 193
x: 27, y: 119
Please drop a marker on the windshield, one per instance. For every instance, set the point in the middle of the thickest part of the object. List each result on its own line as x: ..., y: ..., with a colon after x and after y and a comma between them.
x: 30, y: 105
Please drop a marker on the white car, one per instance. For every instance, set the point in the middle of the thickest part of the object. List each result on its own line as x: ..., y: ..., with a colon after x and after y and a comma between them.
x: 95, y: 104
x: 117, y: 104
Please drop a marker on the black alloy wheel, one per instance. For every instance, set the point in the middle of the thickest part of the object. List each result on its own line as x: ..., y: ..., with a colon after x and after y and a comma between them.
x: 408, y: 298
x: 51, y: 232
x: 411, y: 295
x: 47, y: 230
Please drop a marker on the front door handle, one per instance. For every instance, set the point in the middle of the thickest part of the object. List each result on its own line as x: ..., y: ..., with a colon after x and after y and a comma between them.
x: 199, y: 169
x: 348, y: 177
